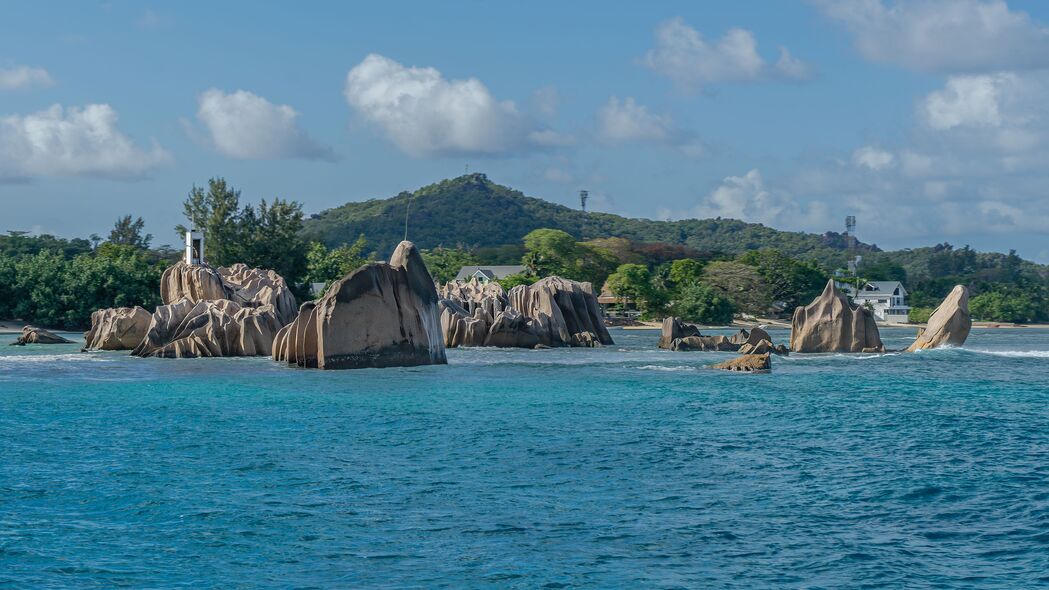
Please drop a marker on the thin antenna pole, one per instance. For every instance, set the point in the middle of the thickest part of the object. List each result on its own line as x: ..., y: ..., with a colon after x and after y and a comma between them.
x: 406, y: 210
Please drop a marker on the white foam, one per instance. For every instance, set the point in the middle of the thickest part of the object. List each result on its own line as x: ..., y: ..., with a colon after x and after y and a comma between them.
x: 1027, y: 354
x: 47, y: 358
x: 675, y: 369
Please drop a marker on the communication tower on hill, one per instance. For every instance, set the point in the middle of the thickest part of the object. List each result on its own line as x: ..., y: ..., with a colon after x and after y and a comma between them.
x: 850, y: 235
x: 583, y: 196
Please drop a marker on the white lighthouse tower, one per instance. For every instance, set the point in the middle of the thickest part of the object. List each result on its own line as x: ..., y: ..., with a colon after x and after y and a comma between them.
x: 194, y: 247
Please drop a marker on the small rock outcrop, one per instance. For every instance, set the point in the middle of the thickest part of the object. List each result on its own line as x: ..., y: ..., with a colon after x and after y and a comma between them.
x: 209, y: 328
x: 832, y: 324
x: 679, y: 336
x: 117, y: 328
x: 553, y: 312
x: 380, y: 315
x: 31, y: 335
x: 748, y: 363
x: 949, y: 325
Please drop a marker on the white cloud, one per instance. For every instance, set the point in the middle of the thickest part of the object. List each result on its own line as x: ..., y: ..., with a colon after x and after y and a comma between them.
x: 72, y: 141
x: 873, y: 158
x: 246, y: 126
x: 684, y: 56
x: 956, y: 36
x: 624, y: 121
x: 426, y: 115
x: 966, y: 100
x: 20, y: 77
x: 747, y: 198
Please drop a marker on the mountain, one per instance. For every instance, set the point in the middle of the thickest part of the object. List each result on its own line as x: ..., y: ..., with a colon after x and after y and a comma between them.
x: 475, y: 212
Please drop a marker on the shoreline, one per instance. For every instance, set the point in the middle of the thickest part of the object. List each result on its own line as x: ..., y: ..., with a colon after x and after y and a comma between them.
x: 770, y: 323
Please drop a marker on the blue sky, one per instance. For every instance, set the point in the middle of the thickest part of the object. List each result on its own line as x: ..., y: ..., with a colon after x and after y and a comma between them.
x: 924, y: 118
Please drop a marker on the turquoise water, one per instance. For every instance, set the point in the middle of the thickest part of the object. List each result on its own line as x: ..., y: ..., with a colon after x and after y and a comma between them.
x: 621, y: 467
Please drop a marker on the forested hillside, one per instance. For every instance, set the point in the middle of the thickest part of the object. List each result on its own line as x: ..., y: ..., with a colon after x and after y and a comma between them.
x: 474, y: 212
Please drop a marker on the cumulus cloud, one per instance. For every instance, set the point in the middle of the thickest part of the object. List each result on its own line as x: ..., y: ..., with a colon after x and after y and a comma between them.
x: 966, y: 100
x: 684, y: 56
x: 426, y: 115
x: 624, y: 121
x: 72, y: 141
x: 952, y: 36
x: 20, y: 77
x: 873, y: 158
x: 246, y: 126
x: 749, y: 199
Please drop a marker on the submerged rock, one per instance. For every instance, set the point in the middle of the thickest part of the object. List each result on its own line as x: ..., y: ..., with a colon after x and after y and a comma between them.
x: 31, y: 335
x: 679, y: 336
x: 748, y: 363
x: 380, y: 315
x: 949, y: 325
x: 832, y: 324
x: 117, y: 328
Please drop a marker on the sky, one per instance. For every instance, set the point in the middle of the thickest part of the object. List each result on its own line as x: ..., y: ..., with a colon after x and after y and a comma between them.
x: 925, y: 119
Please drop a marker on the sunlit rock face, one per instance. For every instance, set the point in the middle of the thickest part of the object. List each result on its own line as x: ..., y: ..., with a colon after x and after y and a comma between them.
x: 379, y: 315
x: 832, y: 324
x: 949, y: 325
x: 117, y: 328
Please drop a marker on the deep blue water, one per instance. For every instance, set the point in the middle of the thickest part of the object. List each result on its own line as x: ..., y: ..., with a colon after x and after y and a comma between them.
x: 621, y: 467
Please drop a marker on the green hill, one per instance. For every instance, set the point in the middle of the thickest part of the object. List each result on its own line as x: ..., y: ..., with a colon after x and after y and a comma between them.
x: 475, y: 212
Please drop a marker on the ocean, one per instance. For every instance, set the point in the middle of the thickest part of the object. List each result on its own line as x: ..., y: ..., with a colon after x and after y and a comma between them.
x: 619, y: 467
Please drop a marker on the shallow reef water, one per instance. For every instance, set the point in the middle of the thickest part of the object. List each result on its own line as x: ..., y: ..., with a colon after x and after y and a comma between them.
x: 618, y: 467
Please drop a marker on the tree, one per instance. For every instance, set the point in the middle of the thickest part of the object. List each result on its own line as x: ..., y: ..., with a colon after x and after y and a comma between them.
x: 327, y: 266
x: 739, y: 283
x: 1003, y: 306
x: 511, y: 281
x: 554, y: 252
x: 697, y: 302
x: 444, y: 263
x: 631, y: 281
x: 685, y: 271
x: 126, y: 232
x: 216, y: 212
x: 788, y: 280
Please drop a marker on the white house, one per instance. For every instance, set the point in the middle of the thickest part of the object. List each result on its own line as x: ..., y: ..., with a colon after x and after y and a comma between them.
x: 485, y: 274
x: 888, y: 299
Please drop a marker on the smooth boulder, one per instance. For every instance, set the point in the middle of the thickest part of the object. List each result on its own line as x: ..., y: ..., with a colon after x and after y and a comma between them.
x: 832, y: 324
x: 195, y: 282
x: 117, y: 328
x: 31, y: 335
x: 949, y: 325
x: 673, y: 329
x: 380, y: 315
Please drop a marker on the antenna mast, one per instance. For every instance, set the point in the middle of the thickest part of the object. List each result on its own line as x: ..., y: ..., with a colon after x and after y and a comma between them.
x: 583, y: 196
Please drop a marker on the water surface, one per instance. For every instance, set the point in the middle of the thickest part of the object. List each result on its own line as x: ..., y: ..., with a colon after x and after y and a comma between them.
x: 620, y: 467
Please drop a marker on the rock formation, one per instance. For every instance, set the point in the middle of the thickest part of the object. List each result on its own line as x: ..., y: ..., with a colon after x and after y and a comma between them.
x: 380, y: 315
x: 949, y: 325
x: 832, y: 324
x: 563, y: 312
x: 195, y: 282
x: 117, y: 328
x: 209, y: 328
x: 31, y: 335
x: 552, y: 312
x: 679, y: 336
x: 256, y: 287
x: 748, y: 363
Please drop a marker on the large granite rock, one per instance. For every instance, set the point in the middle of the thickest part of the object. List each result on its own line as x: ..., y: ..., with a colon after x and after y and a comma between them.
x: 832, y: 324
x: 117, y: 328
x: 257, y: 287
x: 748, y: 363
x: 674, y: 329
x: 552, y: 312
x: 209, y: 328
x: 380, y: 315
x: 949, y: 325
x: 31, y: 335
x: 563, y: 312
x: 195, y: 282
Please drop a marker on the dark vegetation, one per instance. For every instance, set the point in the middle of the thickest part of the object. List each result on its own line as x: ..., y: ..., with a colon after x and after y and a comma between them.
x: 702, y: 270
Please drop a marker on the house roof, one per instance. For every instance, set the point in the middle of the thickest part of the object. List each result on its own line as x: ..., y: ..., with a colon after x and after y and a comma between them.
x: 492, y: 272
x: 880, y: 288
